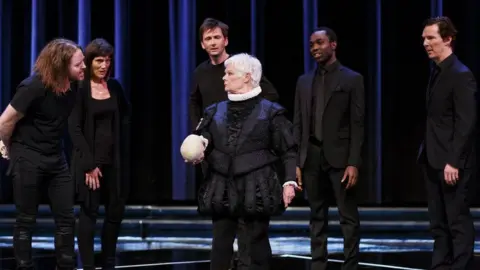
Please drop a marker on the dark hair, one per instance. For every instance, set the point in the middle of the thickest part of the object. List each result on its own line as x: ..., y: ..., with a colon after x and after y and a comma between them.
x: 445, y: 27
x: 209, y: 24
x: 52, y: 63
x: 332, y: 36
x: 97, y: 47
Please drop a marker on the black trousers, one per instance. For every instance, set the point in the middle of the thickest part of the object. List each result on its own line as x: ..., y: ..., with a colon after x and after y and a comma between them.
x: 254, y: 251
x: 114, y: 213
x: 320, y: 179
x: 451, y: 222
x: 30, y: 172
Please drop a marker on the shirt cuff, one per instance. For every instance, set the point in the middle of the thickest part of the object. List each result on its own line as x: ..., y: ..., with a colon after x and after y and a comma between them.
x: 293, y: 183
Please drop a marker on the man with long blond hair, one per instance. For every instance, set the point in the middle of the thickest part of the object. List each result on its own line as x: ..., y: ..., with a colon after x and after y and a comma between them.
x: 31, y: 130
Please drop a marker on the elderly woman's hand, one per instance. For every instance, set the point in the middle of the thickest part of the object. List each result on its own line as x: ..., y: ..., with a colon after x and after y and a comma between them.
x: 288, y: 194
x: 197, y: 161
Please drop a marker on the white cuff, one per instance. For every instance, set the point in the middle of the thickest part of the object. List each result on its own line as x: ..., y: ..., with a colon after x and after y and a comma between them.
x: 293, y: 183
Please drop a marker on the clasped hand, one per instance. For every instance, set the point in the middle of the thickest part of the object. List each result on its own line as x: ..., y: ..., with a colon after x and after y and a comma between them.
x: 92, y: 178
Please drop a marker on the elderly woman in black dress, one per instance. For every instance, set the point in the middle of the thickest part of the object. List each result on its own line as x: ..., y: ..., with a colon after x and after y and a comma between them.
x: 242, y: 139
x: 99, y: 128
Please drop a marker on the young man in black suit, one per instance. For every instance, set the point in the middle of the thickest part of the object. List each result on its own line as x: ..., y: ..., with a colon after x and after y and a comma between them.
x: 447, y: 153
x: 329, y: 127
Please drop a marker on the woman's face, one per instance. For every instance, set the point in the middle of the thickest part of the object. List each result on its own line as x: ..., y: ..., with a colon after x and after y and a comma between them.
x: 100, y: 66
x: 234, y: 80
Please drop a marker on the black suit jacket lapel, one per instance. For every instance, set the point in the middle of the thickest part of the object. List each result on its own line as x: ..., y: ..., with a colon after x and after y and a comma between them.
x: 433, y: 87
x: 442, y: 73
x: 333, y: 84
x: 308, y: 88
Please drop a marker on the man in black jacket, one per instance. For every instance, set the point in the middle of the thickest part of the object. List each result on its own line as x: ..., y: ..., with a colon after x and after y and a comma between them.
x: 447, y: 153
x: 329, y: 128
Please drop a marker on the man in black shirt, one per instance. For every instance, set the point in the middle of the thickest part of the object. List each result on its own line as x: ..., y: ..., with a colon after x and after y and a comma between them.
x: 32, y: 127
x: 207, y: 85
x: 329, y: 126
x: 447, y: 154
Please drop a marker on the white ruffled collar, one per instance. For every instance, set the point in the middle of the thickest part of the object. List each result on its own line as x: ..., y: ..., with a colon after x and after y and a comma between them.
x: 248, y: 95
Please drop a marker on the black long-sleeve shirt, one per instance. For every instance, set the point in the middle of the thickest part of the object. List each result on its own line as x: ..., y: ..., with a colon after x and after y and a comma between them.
x: 208, y: 88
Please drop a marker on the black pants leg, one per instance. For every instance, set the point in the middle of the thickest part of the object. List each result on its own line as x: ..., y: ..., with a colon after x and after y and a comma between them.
x: 61, y: 191
x: 27, y: 182
x: 86, y: 231
x: 114, y: 212
x: 320, y: 180
x: 224, y: 231
x: 255, y: 252
x: 451, y: 222
x: 28, y: 177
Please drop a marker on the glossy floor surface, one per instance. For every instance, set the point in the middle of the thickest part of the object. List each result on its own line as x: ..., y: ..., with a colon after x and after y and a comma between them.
x: 175, y: 238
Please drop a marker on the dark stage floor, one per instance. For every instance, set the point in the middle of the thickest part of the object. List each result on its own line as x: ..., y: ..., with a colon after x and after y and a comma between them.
x: 177, y: 238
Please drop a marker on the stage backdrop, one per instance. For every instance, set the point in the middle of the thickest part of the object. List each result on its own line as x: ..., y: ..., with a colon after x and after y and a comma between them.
x: 157, y: 48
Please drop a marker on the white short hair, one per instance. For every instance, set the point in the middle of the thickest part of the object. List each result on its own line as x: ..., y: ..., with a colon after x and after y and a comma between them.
x: 245, y: 63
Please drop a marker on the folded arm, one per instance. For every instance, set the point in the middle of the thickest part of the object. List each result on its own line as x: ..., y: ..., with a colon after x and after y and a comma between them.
x: 23, y: 99
x: 8, y: 120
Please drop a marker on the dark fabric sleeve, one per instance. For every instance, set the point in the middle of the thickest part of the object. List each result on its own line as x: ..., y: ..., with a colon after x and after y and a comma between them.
x: 268, y: 90
x: 75, y: 124
x: 297, y: 122
x: 283, y: 144
x: 195, y: 103
x: 465, y: 113
x: 125, y: 110
x: 123, y: 103
x: 357, y: 122
x: 202, y: 128
x: 25, y: 95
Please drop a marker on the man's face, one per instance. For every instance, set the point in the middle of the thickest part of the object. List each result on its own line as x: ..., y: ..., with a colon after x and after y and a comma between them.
x: 100, y: 66
x: 320, y: 47
x: 433, y: 43
x: 213, y: 41
x: 76, y: 67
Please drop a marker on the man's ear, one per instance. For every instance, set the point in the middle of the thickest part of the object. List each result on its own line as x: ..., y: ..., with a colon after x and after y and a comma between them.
x: 448, y: 40
x: 334, y: 45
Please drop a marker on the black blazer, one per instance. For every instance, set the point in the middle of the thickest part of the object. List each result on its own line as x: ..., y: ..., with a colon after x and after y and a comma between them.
x: 451, y: 117
x: 343, y: 118
x: 81, y: 128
